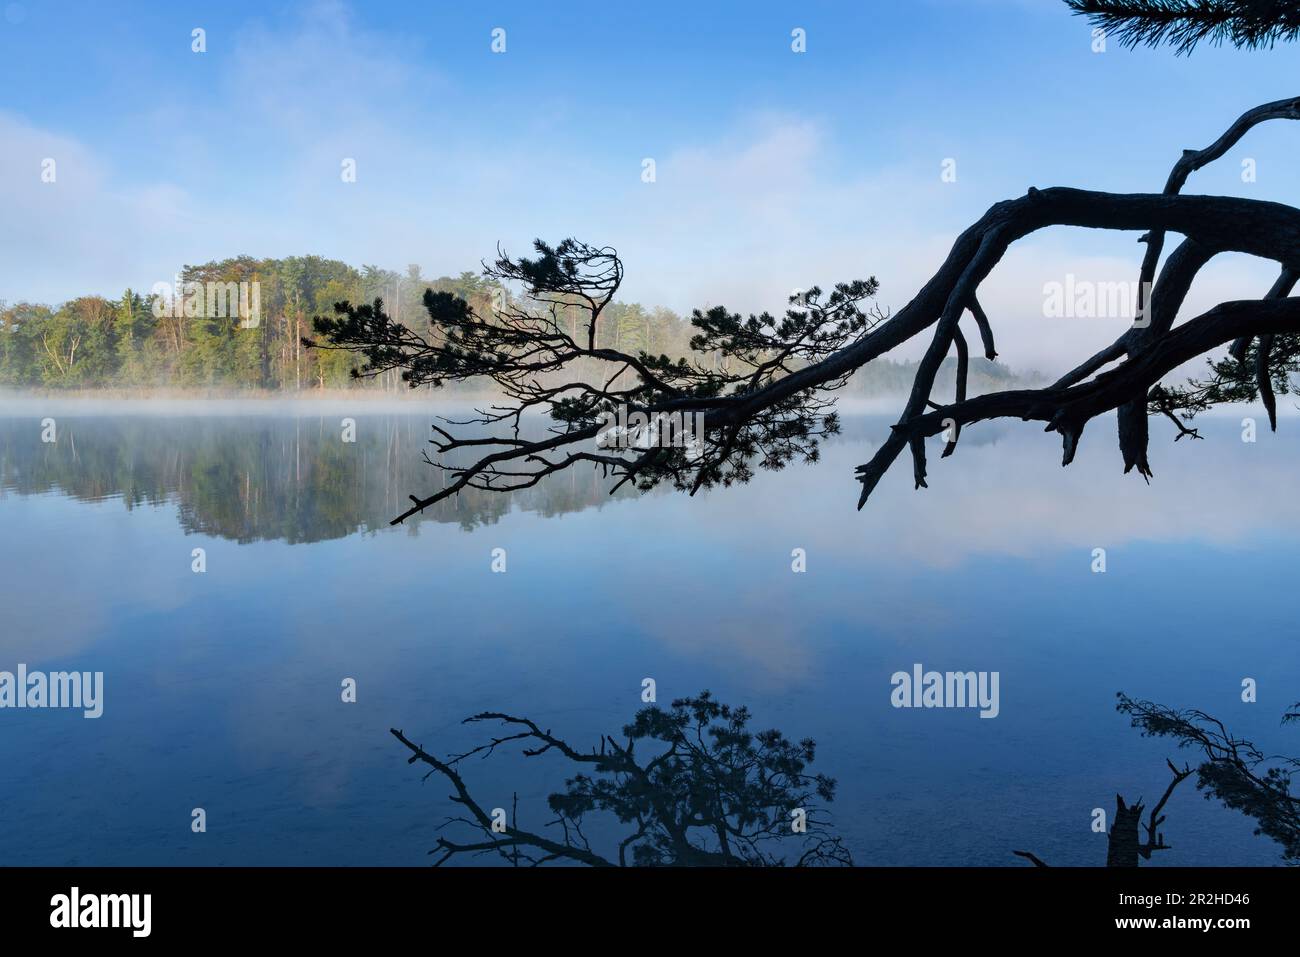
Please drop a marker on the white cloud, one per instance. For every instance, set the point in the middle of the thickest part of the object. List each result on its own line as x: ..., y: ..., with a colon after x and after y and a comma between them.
x: 768, y: 203
x: 86, y: 230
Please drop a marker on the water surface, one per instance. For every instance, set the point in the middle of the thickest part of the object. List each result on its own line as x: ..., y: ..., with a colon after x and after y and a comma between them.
x: 222, y: 688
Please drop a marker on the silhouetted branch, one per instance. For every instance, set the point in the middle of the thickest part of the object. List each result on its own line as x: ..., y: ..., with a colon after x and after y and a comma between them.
x: 1155, y: 840
x: 761, y: 388
x: 1033, y: 858
x: 715, y: 793
x: 1123, y: 848
x: 510, y: 842
x: 1234, y: 770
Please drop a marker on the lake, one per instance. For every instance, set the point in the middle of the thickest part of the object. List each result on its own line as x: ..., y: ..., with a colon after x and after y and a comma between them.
x: 222, y: 688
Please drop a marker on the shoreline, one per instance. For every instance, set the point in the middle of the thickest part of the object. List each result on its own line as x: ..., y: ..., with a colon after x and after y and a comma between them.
x: 344, y: 401
x: 205, y: 402
x: 203, y: 394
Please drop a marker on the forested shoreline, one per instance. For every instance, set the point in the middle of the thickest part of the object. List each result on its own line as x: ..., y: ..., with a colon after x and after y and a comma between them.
x: 139, y: 340
x: 141, y: 343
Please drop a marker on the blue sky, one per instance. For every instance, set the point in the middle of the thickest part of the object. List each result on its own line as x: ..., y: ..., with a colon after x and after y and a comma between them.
x: 774, y: 170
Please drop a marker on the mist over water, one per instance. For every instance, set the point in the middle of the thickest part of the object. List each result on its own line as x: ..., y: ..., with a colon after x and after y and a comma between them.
x: 221, y: 690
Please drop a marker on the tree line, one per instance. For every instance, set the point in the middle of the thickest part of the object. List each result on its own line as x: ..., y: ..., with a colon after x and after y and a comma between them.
x: 139, y: 339
x: 142, y: 340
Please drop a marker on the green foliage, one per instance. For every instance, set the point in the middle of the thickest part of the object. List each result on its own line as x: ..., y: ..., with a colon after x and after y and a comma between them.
x: 1237, y: 377
x: 20, y: 340
x: 97, y: 343
x: 135, y: 341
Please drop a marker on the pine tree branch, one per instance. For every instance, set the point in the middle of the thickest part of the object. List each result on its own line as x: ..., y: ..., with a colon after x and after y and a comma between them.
x: 1183, y: 24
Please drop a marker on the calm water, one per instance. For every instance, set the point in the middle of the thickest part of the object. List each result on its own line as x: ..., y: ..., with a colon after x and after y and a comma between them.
x: 222, y: 689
